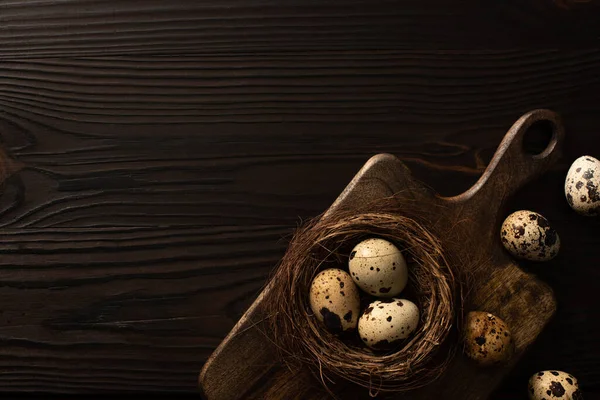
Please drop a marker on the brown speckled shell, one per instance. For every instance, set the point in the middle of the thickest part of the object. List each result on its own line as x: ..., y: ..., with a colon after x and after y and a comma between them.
x: 487, y: 339
x: 582, y: 186
x: 378, y: 267
x: 553, y: 384
x: 334, y: 300
x: 385, y: 323
x: 528, y: 235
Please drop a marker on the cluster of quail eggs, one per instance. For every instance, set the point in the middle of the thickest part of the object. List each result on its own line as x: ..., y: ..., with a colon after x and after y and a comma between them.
x: 528, y: 235
x: 378, y: 269
x: 487, y: 341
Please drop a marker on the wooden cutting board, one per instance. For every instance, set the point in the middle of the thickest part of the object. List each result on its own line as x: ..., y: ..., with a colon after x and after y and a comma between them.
x: 244, y: 365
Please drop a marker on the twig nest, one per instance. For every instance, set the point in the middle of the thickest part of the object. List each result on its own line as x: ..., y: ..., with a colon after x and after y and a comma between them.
x: 327, y: 243
x: 335, y: 301
x: 582, y: 186
x: 378, y: 267
x: 546, y: 385
x: 528, y: 235
x: 487, y: 339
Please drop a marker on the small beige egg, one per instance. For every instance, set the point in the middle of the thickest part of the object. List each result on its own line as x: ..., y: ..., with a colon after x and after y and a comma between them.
x: 528, y: 235
x: 378, y: 267
x: 548, y: 385
x: 384, y: 323
x: 487, y: 339
x: 582, y: 186
x: 335, y: 301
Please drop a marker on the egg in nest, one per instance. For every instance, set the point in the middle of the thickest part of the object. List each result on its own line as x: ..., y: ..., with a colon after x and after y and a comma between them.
x: 384, y: 323
x: 378, y: 267
x: 335, y: 301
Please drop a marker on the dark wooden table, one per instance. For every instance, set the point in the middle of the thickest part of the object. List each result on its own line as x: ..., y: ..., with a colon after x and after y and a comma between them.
x: 157, y: 155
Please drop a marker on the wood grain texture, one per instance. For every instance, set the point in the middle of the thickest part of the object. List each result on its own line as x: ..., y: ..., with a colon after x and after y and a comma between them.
x: 87, y: 27
x: 93, y: 130
x: 110, y: 309
x: 163, y: 154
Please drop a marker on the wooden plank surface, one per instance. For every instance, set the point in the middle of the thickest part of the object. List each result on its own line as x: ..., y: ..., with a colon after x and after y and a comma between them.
x: 157, y: 166
x: 88, y: 27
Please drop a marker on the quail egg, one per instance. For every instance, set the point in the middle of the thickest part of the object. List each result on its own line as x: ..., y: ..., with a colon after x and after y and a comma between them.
x: 582, y: 186
x: 386, y: 322
x: 335, y: 301
x: 487, y: 339
x: 378, y: 267
x: 528, y: 235
x: 547, y: 385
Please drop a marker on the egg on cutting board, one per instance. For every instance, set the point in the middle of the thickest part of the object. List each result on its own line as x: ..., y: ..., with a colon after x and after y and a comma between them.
x: 582, y: 186
x: 384, y: 323
x: 378, y: 267
x: 487, y: 339
x: 334, y: 300
x: 528, y: 235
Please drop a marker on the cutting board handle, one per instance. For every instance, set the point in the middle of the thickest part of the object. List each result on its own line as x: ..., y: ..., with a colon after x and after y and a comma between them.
x: 512, y: 166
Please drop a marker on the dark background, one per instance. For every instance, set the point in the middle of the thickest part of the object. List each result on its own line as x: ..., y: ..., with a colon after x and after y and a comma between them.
x: 158, y: 154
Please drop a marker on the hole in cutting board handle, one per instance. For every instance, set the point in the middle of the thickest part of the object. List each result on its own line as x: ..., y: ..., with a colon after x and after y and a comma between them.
x: 540, y: 138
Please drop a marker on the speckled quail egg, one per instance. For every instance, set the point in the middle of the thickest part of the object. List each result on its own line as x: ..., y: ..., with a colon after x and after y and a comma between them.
x: 548, y: 385
x: 528, y: 235
x: 335, y: 300
x: 582, y: 186
x: 378, y: 267
x: 386, y: 322
x: 487, y: 339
